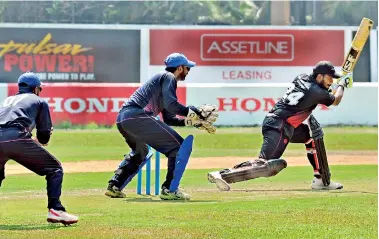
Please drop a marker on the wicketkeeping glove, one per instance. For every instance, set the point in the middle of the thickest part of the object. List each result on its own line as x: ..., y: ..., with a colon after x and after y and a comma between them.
x: 206, y: 112
x: 210, y: 112
x: 202, y: 118
x: 201, y: 125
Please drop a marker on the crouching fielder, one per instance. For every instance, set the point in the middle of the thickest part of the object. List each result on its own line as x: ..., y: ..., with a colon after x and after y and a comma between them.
x: 137, y: 124
x: 291, y: 120
x: 19, y: 115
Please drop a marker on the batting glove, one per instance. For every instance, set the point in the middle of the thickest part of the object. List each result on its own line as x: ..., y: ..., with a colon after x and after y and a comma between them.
x: 346, y: 81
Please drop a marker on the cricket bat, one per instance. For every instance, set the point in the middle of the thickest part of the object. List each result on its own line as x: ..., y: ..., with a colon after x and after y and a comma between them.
x: 357, y: 45
x: 356, y: 48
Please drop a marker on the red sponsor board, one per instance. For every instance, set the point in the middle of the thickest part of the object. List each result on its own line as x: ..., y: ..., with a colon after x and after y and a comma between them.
x: 251, y: 104
x: 225, y: 47
x: 242, y: 105
x: 88, y: 103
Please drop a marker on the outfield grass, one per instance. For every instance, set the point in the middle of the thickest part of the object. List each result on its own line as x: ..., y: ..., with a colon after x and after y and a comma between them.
x: 79, y: 145
x: 278, y: 207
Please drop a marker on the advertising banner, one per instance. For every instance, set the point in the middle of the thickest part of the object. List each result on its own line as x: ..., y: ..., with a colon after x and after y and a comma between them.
x: 249, y: 55
x: 247, y: 105
x: 250, y: 47
x: 70, y: 55
x: 240, y: 74
x: 239, y: 105
x: 88, y: 103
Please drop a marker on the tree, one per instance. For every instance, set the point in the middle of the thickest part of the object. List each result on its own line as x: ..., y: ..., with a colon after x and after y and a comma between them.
x: 348, y: 13
x: 243, y: 12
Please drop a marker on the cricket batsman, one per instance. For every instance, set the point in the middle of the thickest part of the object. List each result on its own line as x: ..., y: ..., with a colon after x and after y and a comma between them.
x: 19, y: 115
x: 291, y: 121
x: 136, y: 122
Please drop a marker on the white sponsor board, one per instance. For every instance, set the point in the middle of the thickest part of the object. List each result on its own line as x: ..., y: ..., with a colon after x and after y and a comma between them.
x: 239, y: 74
x: 221, y: 47
x: 248, y: 104
x: 3, y: 91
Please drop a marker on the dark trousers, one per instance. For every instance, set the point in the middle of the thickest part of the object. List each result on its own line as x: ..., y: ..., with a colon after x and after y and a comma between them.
x: 140, y: 129
x: 277, y: 133
x: 17, y: 145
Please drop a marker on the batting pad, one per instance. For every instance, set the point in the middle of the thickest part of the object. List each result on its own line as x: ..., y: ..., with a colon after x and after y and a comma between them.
x: 147, y: 158
x: 182, y: 158
x: 322, y: 160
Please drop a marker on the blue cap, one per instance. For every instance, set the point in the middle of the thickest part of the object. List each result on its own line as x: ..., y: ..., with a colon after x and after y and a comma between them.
x: 30, y: 79
x: 178, y: 59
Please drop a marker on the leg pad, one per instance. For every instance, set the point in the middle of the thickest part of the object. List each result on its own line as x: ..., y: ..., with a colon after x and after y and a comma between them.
x: 253, y: 169
x: 322, y: 160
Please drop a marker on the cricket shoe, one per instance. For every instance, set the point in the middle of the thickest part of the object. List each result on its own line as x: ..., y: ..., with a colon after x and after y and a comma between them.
x: 178, y: 195
x: 57, y: 216
x: 114, y: 192
x: 215, y: 177
x: 317, y: 184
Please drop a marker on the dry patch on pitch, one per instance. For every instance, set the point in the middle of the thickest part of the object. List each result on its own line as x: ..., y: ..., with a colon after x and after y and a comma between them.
x: 335, y: 158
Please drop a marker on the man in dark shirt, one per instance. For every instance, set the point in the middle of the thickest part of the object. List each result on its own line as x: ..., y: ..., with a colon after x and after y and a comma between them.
x: 138, y: 124
x: 19, y: 115
x: 284, y: 124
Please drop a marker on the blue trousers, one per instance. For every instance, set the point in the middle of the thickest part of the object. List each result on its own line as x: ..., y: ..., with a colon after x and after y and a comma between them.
x: 140, y: 129
x: 17, y: 145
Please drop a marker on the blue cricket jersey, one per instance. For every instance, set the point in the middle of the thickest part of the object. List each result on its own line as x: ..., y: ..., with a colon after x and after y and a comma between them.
x: 158, y: 95
x: 26, y: 111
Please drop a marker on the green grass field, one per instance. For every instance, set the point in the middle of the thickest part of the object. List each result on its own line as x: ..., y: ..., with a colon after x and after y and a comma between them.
x: 278, y: 207
x: 80, y: 145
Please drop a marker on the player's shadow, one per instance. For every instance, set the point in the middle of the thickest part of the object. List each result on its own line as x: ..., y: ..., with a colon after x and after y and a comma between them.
x: 270, y: 190
x: 158, y: 200
x: 301, y: 190
x: 22, y: 227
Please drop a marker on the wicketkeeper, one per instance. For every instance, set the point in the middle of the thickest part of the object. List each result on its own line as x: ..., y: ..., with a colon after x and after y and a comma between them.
x: 291, y: 120
x: 137, y: 123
